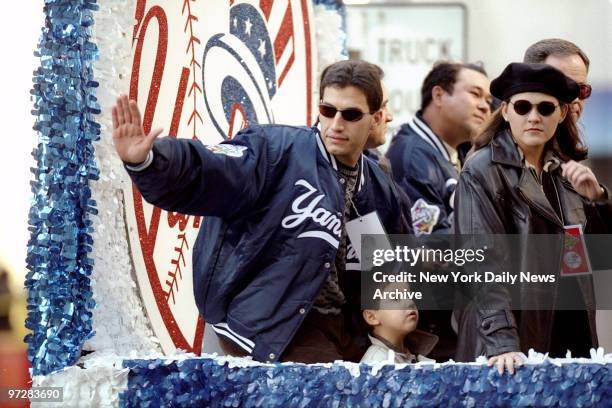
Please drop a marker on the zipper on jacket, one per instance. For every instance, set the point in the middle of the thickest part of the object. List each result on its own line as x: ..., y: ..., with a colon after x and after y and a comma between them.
x: 559, y: 202
x: 560, y: 260
x: 544, y: 213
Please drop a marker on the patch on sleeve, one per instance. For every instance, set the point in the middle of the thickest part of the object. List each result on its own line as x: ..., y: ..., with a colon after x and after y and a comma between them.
x: 227, y: 149
x: 424, y: 217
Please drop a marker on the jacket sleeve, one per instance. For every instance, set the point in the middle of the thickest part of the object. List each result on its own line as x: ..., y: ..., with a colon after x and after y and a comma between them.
x: 428, y: 193
x: 476, y: 214
x: 599, y: 214
x: 405, y: 206
x: 219, y: 180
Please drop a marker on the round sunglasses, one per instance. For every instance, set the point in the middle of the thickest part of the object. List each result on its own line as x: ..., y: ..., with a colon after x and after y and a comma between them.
x: 585, y: 91
x: 523, y: 107
x: 350, y: 114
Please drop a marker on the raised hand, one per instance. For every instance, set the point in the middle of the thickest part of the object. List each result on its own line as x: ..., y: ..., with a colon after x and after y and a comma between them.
x: 129, y: 138
x: 583, y: 180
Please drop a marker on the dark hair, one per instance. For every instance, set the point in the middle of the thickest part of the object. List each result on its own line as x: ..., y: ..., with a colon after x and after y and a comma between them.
x: 444, y: 74
x: 360, y: 74
x: 541, y: 50
x: 566, y: 142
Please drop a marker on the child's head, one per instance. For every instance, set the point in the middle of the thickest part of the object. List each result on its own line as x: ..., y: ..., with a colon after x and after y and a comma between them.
x: 392, y: 319
x: 398, y: 321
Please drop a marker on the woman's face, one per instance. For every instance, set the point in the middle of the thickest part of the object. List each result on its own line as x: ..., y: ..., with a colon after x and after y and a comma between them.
x: 533, y: 126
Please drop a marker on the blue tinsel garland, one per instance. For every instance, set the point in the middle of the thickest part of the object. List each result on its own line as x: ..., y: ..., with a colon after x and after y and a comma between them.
x: 206, y: 382
x: 59, y: 291
x: 60, y: 297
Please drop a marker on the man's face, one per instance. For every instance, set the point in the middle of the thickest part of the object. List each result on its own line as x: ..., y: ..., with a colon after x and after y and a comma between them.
x: 573, y: 67
x: 468, y: 106
x: 346, y: 139
x: 378, y: 136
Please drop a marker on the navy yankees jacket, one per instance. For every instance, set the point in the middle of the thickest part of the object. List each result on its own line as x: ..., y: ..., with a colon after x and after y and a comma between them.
x: 421, y: 166
x: 274, y: 203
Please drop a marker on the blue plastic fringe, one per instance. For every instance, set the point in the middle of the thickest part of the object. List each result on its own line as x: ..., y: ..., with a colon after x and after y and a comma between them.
x: 58, y: 281
x: 207, y: 382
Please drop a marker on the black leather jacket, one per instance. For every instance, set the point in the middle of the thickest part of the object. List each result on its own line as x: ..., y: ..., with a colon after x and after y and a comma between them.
x: 497, y: 194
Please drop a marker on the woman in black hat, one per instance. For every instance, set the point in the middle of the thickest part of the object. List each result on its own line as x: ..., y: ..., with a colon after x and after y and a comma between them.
x: 524, y: 178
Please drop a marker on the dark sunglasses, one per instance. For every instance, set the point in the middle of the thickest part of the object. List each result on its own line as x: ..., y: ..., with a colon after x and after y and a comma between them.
x: 350, y: 114
x: 523, y: 107
x: 585, y: 91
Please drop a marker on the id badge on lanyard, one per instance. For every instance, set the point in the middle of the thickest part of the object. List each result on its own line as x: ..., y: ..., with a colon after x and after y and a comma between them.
x: 575, y: 259
x: 368, y: 224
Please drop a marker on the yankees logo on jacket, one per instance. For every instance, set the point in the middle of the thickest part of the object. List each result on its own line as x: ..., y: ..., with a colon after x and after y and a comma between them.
x: 273, y: 205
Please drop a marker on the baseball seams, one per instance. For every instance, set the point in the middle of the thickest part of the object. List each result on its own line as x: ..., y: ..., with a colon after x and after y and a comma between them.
x: 174, y: 276
x: 195, y: 90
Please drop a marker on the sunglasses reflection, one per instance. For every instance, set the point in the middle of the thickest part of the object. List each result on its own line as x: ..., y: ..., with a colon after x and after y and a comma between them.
x: 523, y: 107
x: 585, y: 91
x: 350, y: 114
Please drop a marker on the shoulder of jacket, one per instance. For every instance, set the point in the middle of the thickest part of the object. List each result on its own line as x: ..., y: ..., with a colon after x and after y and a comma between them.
x: 276, y: 130
x: 479, y: 161
x: 415, y: 144
x: 414, y: 153
x: 377, y: 175
x: 375, y: 354
x: 422, y: 359
x: 373, y: 167
x: 405, y: 130
x: 277, y: 138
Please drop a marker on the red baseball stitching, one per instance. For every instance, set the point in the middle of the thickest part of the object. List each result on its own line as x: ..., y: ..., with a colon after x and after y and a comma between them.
x: 194, y: 64
x: 177, y: 274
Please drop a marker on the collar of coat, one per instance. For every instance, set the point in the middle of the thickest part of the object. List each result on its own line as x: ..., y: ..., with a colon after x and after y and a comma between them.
x: 421, y: 128
x: 504, y: 150
x: 418, y: 342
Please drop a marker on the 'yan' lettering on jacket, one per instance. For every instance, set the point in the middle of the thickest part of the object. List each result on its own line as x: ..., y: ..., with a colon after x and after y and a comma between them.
x: 273, y: 204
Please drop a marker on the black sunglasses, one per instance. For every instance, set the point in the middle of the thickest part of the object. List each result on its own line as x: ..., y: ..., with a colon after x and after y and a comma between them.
x: 523, y: 107
x: 585, y: 91
x: 350, y: 114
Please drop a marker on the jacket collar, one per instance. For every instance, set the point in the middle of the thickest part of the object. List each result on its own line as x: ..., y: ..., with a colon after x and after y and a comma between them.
x: 382, y: 342
x: 332, y: 160
x: 505, y: 151
x: 418, y: 342
x: 551, y: 162
x: 421, y: 128
x: 533, y: 193
x: 421, y: 342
